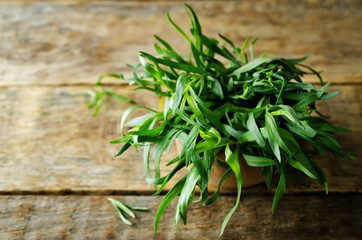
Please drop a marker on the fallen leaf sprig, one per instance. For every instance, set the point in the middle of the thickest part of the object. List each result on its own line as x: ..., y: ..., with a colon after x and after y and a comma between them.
x: 123, y: 208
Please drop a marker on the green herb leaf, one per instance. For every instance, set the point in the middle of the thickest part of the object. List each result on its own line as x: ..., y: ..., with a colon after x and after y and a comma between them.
x: 172, y: 194
x: 121, y: 207
x: 280, y: 189
x: 273, y: 136
x: 214, y: 197
x: 251, y: 65
x: 254, y: 130
x: 186, y: 193
x: 232, y: 159
x: 258, y: 161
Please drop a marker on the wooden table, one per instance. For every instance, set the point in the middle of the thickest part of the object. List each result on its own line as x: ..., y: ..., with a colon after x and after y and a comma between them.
x: 57, y: 168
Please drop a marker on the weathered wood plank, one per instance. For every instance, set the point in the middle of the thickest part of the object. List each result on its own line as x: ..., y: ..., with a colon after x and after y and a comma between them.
x: 93, y: 217
x: 73, y: 42
x: 50, y: 142
x: 49, y: 136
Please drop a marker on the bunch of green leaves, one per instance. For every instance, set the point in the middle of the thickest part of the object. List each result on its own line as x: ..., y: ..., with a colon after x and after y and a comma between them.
x: 222, y: 100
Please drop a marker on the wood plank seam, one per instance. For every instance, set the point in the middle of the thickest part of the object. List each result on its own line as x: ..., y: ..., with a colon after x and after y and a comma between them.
x: 162, y: 193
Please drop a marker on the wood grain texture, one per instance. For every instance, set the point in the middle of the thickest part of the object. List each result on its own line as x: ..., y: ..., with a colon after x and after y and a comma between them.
x: 73, y: 42
x: 50, y: 142
x: 93, y: 217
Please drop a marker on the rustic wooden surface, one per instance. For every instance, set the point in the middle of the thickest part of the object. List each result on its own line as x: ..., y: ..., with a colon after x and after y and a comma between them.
x: 67, y: 42
x: 92, y: 217
x: 52, y: 52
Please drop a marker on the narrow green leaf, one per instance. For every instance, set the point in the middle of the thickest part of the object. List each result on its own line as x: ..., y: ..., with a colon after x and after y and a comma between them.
x: 137, y: 208
x: 208, y: 159
x: 172, y: 194
x: 309, y: 131
x: 247, y: 137
x: 156, y: 91
x: 187, y: 190
x: 194, y: 107
x: 123, y: 148
x: 178, y: 28
x: 128, y: 112
x: 289, y: 141
x: 268, y: 173
x: 137, y: 121
x: 329, y: 95
x: 214, y: 197
x: 201, y: 169
x: 112, y: 75
x: 233, y: 132
x: 174, y: 54
x: 284, y: 85
x: 211, y: 144
x: 273, y: 134
x: 123, y: 207
x: 146, y: 159
x: 280, y: 189
x: 303, y: 126
x: 332, y: 128
x: 160, y: 148
x: 186, y: 118
x: 289, y: 113
x: 180, y: 87
x: 212, y: 44
x: 150, y: 132
x: 256, y: 161
x: 313, y: 71
x: 236, y: 50
x: 182, y: 66
x: 216, y: 87
x: 94, y: 98
x: 189, y: 145
x: 135, y: 76
x: 194, y: 20
x: 99, y: 103
x: 123, y: 218
x: 197, y: 56
x: 208, y: 113
x: 323, y: 178
x: 164, y: 180
x: 251, y: 65
x: 243, y: 48
x: 254, y: 130
x: 122, y: 140
x: 212, y: 134
x: 303, y: 164
x: 232, y: 159
x: 309, y: 99
x: 323, y: 89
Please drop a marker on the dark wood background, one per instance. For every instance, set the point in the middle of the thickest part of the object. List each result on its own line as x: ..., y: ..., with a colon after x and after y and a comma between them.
x: 57, y: 168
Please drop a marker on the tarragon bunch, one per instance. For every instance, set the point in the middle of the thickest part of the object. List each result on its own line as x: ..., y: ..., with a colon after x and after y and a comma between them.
x: 220, y: 99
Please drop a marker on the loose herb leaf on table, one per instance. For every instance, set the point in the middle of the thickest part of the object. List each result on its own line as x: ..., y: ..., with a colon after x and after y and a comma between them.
x: 124, y: 208
x: 255, y: 107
